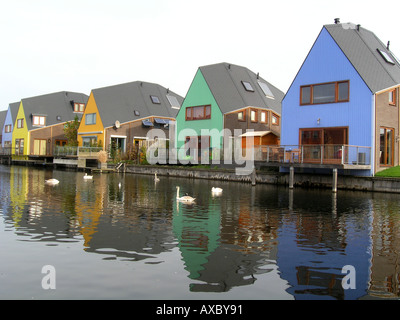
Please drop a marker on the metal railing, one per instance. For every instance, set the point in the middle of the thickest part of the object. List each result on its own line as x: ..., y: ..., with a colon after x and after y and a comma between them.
x: 318, y: 154
x: 76, y: 151
x: 6, y: 151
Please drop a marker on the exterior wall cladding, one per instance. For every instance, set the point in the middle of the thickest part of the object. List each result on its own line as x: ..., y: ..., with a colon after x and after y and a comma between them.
x: 327, y: 63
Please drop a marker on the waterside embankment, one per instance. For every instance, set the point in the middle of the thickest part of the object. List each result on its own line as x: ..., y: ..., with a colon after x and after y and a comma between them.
x: 370, y: 184
x: 300, y: 180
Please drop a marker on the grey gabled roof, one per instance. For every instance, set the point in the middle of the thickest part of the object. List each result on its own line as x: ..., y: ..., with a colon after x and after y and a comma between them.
x: 57, y: 107
x: 14, y: 110
x: 119, y: 102
x: 3, y: 115
x: 360, y: 47
x: 225, y: 82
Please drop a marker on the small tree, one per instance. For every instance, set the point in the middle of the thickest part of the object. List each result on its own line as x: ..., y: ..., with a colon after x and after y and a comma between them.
x: 71, y: 131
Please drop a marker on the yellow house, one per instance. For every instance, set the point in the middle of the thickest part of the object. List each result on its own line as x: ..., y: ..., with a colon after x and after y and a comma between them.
x: 36, y: 114
x: 20, y: 136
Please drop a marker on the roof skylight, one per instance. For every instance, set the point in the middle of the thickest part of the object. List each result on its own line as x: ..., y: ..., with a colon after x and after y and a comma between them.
x: 247, y: 86
x: 173, y: 101
x: 386, y: 56
x: 264, y: 87
x: 155, y: 99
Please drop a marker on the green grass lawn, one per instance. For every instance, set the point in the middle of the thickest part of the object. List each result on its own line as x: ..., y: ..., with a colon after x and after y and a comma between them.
x: 391, y: 172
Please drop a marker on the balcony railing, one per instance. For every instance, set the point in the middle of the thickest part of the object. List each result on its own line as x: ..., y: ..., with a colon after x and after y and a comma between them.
x: 315, y: 154
x: 76, y: 151
x: 6, y: 151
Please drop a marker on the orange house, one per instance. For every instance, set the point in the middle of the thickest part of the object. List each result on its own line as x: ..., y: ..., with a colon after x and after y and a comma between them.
x: 120, y: 116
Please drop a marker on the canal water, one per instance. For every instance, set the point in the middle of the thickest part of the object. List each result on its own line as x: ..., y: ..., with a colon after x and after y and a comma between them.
x: 124, y: 236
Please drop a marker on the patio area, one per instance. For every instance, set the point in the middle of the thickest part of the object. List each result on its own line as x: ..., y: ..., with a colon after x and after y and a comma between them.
x: 312, y: 156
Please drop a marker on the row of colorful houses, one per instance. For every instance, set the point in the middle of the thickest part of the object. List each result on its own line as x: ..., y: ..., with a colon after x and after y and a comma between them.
x: 342, y: 108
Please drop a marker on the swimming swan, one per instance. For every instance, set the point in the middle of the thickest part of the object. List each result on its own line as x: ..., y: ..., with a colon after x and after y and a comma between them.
x: 216, y: 190
x: 186, y: 199
x: 87, y: 177
x: 52, y: 181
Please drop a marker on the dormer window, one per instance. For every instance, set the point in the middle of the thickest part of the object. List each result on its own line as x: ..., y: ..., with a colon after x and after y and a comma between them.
x: 39, y: 121
x: 155, y: 99
x: 79, y: 107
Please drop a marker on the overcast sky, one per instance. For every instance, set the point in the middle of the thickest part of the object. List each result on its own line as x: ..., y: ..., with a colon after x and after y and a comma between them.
x: 55, y: 45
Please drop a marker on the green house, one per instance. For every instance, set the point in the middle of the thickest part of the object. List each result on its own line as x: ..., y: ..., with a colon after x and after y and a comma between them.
x: 224, y: 102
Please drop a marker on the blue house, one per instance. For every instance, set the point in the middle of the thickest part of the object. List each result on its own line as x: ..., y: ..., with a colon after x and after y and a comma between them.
x: 8, y: 126
x: 342, y: 108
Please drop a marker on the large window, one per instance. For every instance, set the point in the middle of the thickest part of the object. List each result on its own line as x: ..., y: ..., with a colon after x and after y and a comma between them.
x: 90, y: 118
x: 332, y: 140
x: 198, y: 113
x: 331, y: 92
x: 386, y: 146
x: 39, y: 147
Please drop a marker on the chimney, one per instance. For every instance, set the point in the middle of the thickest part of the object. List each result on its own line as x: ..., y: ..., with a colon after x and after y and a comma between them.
x: 337, y: 20
x: 388, y: 44
x: 358, y: 27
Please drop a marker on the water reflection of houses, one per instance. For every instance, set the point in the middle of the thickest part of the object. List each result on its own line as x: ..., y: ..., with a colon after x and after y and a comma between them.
x: 133, y: 224
x: 35, y: 207
x: 224, y: 244
x: 385, y: 262
x: 314, y: 246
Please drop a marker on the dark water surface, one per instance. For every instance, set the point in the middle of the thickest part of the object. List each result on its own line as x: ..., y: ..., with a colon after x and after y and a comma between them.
x: 126, y: 237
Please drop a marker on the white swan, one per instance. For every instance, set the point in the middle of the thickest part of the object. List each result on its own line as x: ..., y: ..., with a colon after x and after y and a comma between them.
x: 52, y: 181
x: 87, y: 177
x: 216, y: 190
x: 186, y: 199
x: 155, y: 177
